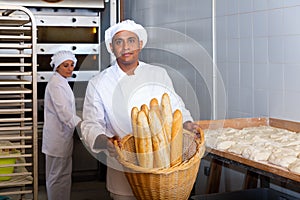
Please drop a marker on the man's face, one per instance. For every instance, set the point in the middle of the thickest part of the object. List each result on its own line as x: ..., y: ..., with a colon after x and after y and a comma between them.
x: 126, y: 47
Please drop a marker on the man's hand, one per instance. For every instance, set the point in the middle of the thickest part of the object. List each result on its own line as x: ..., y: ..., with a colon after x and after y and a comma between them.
x: 193, y: 127
x: 111, y: 147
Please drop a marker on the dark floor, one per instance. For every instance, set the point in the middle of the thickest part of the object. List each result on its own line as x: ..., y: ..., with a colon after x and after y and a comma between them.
x: 86, y: 190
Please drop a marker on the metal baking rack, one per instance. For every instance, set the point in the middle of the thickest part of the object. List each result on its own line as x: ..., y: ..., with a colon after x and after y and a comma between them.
x: 18, y: 103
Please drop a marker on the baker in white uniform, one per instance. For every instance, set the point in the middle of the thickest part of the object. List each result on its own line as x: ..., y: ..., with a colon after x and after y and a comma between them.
x: 111, y: 94
x: 60, y: 120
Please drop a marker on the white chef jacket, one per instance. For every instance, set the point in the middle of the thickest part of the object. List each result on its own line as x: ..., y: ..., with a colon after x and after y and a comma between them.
x: 60, y: 117
x: 109, y: 99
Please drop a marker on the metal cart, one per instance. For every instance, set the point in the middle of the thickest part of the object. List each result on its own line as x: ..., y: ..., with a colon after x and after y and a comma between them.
x: 18, y: 103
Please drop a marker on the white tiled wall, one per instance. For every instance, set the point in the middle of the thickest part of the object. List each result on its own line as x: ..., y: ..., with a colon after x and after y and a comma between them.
x: 262, y: 45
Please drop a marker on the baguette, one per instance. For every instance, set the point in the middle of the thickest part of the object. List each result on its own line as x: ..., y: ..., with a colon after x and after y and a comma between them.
x: 134, y: 114
x: 160, y: 145
x: 166, y: 114
x: 154, y: 105
x: 144, y: 141
x: 145, y: 108
x: 176, y: 138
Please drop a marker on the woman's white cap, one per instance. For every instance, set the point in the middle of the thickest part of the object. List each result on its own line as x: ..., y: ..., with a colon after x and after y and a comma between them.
x: 61, y: 56
x: 127, y: 25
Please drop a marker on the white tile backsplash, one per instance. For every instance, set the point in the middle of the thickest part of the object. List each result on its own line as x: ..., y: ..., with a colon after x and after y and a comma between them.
x: 261, y: 76
x: 291, y: 105
x: 291, y: 3
x: 275, y: 4
x: 276, y: 54
x: 232, y: 6
x: 233, y: 75
x: 221, y: 50
x: 221, y: 8
x: 276, y: 104
x: 245, y: 25
x: 233, y: 99
x: 246, y: 74
x: 221, y: 28
x: 260, y: 24
x: 275, y: 22
x: 246, y: 50
x: 260, y: 5
x: 291, y: 49
x: 276, y: 77
x: 246, y: 101
x: 292, y: 78
x: 261, y: 103
x: 291, y: 22
x: 261, y: 52
x: 245, y: 6
x: 233, y: 26
x: 233, y: 48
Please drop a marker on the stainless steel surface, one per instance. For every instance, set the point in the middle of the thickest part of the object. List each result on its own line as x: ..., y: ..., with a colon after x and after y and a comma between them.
x: 64, y: 3
x: 64, y: 20
x: 77, y: 31
x: 18, y: 100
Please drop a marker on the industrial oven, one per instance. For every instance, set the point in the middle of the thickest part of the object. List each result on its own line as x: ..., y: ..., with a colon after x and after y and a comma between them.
x: 73, y: 25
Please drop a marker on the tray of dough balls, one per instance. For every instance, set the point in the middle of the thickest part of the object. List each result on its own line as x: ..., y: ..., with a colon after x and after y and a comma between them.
x: 268, y: 148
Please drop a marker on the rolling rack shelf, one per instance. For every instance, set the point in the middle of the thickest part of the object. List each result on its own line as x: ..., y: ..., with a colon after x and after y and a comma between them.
x: 18, y: 103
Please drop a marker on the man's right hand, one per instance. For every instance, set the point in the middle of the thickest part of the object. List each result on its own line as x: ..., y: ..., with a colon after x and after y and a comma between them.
x: 111, y: 147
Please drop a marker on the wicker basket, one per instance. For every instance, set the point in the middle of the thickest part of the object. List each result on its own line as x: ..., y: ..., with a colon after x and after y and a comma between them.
x: 175, y: 182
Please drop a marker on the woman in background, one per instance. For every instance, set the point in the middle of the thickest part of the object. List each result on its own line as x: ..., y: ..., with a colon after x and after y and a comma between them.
x: 60, y: 120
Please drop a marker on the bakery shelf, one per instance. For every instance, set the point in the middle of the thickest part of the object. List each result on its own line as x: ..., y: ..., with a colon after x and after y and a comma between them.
x: 2, y: 55
x: 15, y: 46
x: 13, y: 21
x: 18, y: 103
x: 14, y: 37
x: 14, y: 90
x: 15, y: 64
x: 14, y: 82
x: 15, y: 111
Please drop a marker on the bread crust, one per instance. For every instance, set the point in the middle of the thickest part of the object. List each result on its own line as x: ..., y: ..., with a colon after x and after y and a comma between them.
x: 145, y: 108
x: 144, y: 141
x: 166, y: 115
x: 176, y: 138
x: 160, y: 145
x: 134, y: 114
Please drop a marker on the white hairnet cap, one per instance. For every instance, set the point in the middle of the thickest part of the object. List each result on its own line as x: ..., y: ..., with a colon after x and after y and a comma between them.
x: 61, y: 56
x: 127, y: 25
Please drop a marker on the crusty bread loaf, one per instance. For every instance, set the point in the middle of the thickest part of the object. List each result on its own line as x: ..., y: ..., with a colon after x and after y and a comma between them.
x: 144, y: 141
x: 160, y: 145
x: 166, y: 115
x: 134, y: 114
x: 176, y: 138
x: 158, y: 134
x: 154, y: 105
x: 145, y: 108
